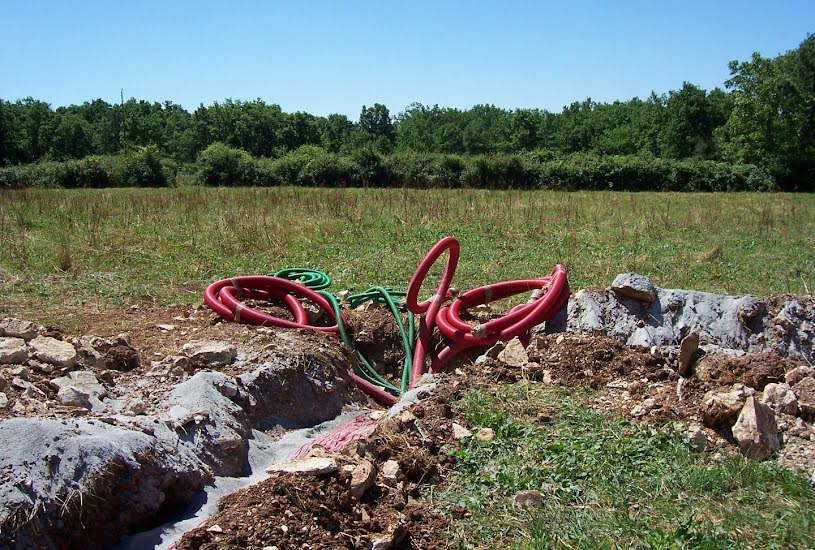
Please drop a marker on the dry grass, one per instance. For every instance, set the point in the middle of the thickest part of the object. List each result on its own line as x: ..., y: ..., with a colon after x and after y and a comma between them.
x: 65, y: 254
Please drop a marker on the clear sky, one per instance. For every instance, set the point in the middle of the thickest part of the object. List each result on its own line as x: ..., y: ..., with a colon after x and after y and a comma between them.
x: 331, y: 56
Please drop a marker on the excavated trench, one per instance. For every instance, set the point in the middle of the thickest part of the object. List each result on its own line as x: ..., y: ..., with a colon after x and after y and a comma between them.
x: 151, y: 450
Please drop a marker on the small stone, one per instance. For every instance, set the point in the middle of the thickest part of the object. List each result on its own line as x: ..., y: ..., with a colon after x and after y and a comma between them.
x: 215, y: 529
x: 721, y: 409
x: 495, y: 350
x: 781, y: 398
x: 633, y: 285
x: 643, y: 408
x: 307, y: 466
x: 362, y: 478
x: 460, y: 432
x: 17, y: 328
x: 12, y: 350
x: 749, y: 309
x: 687, y: 349
x: 805, y: 392
x: 697, y: 439
x: 228, y: 388
x: 20, y: 371
x: 3, y: 400
x: 210, y: 353
x: 70, y: 396
x: 390, y: 471
x: 756, y: 430
x: 799, y: 373
x: 560, y: 339
x: 525, y: 500
x: 514, y: 354
x: 53, y: 351
x: 485, y: 434
x: 166, y: 328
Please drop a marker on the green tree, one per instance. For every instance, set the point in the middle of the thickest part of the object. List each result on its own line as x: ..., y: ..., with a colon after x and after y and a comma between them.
x: 772, y: 122
x: 71, y: 136
x: 376, y: 122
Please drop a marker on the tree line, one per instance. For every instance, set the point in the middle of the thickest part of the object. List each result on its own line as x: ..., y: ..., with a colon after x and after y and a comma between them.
x: 764, y: 119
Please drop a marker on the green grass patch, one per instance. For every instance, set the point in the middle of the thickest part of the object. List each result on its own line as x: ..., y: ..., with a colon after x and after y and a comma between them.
x: 65, y: 254
x: 610, y: 484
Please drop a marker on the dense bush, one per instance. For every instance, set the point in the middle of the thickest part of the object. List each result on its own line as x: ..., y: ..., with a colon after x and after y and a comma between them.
x: 309, y: 165
x: 220, y: 164
x: 140, y: 167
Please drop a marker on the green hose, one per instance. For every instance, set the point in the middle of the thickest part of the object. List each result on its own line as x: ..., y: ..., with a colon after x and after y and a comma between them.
x: 311, y: 278
x: 386, y: 296
x: 366, y: 370
x: 319, y: 281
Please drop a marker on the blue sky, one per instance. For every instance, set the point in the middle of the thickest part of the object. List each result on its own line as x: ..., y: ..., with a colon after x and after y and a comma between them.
x: 325, y: 57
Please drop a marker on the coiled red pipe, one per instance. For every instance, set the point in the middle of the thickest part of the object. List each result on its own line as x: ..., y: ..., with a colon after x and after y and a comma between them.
x: 550, y: 294
x: 225, y: 296
x: 430, y: 308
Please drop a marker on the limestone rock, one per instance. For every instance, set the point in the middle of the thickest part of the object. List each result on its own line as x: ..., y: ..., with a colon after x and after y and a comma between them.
x: 390, y: 471
x: 460, y: 432
x: 17, y: 328
x: 697, y: 439
x: 495, y: 350
x: 721, y: 409
x: 485, y: 434
x: 756, y: 430
x: 524, y: 500
x: 643, y: 408
x: 79, y: 389
x: 71, y: 396
x: 749, y: 309
x: 307, y: 466
x: 635, y: 286
x: 781, y: 398
x: 3, y: 400
x: 805, y: 392
x: 210, y: 353
x: 362, y: 478
x: 514, y: 354
x: 799, y: 373
x: 687, y: 349
x: 12, y: 350
x: 53, y: 351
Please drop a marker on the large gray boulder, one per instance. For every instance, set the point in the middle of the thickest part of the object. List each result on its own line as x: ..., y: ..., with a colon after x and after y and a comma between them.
x: 740, y: 324
x: 62, y: 476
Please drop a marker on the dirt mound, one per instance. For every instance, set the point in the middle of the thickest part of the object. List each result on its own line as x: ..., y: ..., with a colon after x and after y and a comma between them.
x: 754, y: 370
x: 291, y: 511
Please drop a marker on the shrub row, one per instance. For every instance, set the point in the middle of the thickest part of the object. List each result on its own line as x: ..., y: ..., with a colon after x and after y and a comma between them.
x: 313, y: 166
x: 221, y: 165
x: 139, y: 167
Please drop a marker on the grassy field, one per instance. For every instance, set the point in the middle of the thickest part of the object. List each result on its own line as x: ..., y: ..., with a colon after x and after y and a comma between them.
x: 66, y: 254
x: 609, y: 484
